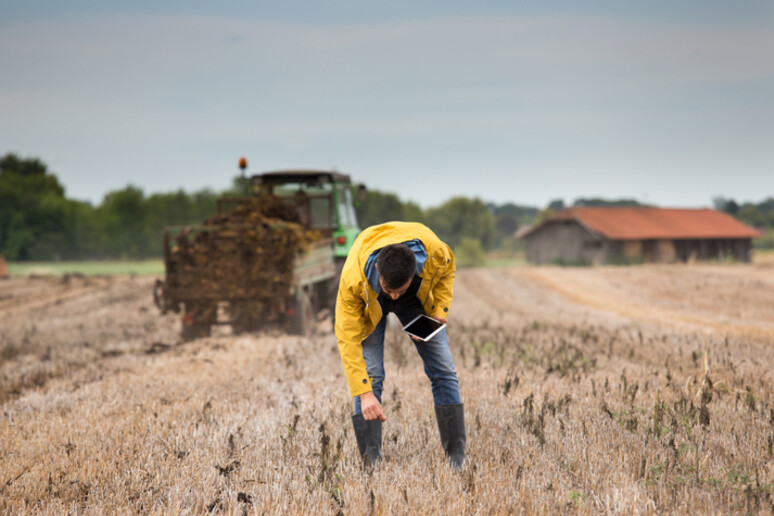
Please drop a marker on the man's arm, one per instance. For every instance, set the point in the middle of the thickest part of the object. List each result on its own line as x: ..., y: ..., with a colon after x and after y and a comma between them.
x: 350, y: 320
x: 443, y: 290
x: 349, y: 324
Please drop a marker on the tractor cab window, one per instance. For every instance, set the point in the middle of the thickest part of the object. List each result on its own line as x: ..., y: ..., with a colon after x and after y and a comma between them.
x: 321, y: 213
x: 314, y: 201
x: 345, y: 206
x: 295, y: 188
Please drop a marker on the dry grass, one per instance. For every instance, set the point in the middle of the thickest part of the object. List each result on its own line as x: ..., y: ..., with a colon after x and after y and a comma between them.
x: 763, y: 256
x: 570, y: 407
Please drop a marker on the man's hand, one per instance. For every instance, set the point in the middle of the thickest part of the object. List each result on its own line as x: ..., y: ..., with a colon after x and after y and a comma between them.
x: 371, y: 408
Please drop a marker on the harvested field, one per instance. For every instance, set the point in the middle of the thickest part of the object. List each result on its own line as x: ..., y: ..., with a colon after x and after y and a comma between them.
x: 636, y: 390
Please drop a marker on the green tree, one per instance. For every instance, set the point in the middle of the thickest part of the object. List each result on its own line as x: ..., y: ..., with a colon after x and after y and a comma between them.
x: 543, y: 215
x: 382, y: 207
x: 462, y: 217
x: 240, y: 186
x: 524, y: 215
x: 121, y: 221
x: 726, y: 205
x: 469, y: 253
x: 509, y: 218
x: 598, y: 201
x: 82, y: 231
x: 751, y: 215
x: 558, y: 204
x: 759, y: 215
x: 412, y: 212
x: 174, y: 209
x: 32, y: 210
x: 506, y: 226
x: 766, y: 207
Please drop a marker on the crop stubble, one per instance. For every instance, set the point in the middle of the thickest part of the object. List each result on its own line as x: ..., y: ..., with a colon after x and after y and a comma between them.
x: 635, y: 390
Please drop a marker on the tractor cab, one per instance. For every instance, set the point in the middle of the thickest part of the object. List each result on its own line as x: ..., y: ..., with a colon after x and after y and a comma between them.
x: 324, y: 199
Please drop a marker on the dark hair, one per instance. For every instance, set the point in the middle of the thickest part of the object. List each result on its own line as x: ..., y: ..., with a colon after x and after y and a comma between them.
x: 396, y: 265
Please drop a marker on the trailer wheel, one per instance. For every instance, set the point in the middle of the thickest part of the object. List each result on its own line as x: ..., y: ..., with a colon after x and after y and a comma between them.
x: 245, y: 317
x: 158, y: 296
x: 194, y: 331
x: 303, y: 320
x: 197, y: 321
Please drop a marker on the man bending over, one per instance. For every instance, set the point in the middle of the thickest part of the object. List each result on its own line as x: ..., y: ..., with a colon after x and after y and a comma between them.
x: 403, y: 268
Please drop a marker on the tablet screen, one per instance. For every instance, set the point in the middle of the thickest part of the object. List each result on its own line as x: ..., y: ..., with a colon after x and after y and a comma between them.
x: 423, y: 327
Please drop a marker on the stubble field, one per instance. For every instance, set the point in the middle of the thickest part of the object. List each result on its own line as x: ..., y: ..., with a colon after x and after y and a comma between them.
x: 636, y: 390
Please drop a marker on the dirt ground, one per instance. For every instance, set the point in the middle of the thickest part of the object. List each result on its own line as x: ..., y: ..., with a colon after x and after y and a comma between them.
x: 642, y: 389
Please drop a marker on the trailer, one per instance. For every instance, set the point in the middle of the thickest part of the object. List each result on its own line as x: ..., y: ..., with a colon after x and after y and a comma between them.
x: 268, y: 260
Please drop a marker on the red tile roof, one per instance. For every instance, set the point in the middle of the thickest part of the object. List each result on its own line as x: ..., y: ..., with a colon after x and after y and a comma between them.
x: 641, y: 223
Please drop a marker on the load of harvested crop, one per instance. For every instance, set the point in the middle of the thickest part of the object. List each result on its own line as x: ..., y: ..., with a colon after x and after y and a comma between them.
x: 245, y: 253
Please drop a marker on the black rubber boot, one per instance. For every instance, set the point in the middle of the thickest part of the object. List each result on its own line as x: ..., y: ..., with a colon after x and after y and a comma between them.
x: 451, y: 426
x: 369, y: 439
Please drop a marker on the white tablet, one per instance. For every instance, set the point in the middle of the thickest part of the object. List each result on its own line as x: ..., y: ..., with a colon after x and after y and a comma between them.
x: 423, y: 327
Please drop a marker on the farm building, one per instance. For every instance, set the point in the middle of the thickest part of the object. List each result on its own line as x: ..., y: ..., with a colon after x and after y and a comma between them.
x: 638, y: 234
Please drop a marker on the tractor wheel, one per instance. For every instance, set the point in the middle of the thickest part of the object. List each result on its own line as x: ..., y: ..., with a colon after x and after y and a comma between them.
x: 245, y: 317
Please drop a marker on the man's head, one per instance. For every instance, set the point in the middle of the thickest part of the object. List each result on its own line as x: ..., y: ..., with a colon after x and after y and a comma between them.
x: 397, y: 266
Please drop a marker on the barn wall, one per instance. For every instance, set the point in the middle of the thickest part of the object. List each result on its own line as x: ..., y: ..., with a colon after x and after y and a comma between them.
x: 565, y: 242
x: 743, y: 249
x: 659, y: 251
x: 623, y: 252
x: 670, y: 251
x: 568, y: 242
x: 632, y: 250
x: 737, y: 249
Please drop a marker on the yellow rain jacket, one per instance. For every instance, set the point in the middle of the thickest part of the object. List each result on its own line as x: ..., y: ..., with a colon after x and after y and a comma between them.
x: 357, y: 309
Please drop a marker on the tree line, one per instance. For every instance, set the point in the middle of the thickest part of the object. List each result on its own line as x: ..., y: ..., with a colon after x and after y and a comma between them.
x: 758, y: 215
x: 39, y: 223
x: 470, y: 226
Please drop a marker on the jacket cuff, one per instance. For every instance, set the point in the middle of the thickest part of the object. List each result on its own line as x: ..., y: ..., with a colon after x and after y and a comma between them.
x: 358, y: 386
x: 440, y: 311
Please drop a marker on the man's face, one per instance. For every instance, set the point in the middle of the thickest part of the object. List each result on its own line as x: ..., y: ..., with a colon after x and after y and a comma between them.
x: 394, y: 293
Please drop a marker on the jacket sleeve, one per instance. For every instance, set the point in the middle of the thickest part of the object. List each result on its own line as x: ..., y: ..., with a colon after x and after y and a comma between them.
x: 350, y: 321
x: 443, y: 289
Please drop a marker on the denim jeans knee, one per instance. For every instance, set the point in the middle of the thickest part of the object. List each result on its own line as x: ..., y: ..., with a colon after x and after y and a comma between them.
x: 439, y: 368
x: 436, y: 357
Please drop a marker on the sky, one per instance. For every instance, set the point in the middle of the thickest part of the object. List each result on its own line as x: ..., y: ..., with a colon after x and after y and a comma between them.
x: 669, y: 103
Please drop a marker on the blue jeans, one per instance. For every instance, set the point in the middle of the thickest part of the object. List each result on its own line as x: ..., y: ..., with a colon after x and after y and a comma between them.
x: 435, y: 354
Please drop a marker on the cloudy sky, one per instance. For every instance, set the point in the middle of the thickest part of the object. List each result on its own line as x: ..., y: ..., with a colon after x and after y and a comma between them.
x: 667, y: 102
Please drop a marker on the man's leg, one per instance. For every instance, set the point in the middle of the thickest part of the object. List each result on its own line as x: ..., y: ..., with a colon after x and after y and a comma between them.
x: 369, y: 433
x: 449, y: 410
x: 439, y: 368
